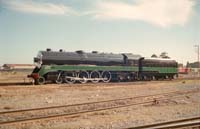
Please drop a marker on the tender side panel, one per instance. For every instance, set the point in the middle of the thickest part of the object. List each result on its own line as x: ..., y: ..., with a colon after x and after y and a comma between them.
x: 160, y: 69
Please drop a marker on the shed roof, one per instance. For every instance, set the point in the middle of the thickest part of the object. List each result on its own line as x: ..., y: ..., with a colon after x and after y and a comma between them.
x: 13, y: 65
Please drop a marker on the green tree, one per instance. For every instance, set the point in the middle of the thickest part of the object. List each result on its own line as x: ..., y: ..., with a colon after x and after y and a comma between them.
x: 164, y: 55
x: 154, y: 56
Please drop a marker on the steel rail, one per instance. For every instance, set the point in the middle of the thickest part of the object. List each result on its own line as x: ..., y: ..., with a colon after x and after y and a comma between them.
x: 187, y: 122
x: 75, y: 114
x: 116, y: 83
x: 96, y: 102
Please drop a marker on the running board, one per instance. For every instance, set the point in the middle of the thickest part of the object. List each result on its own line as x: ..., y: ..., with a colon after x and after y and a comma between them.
x: 88, y: 79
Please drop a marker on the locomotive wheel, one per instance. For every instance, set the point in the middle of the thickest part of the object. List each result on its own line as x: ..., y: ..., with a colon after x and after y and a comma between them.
x: 59, y: 81
x: 156, y: 77
x: 40, y: 81
x: 70, y: 80
x: 84, y: 76
x: 95, y: 75
x: 106, y: 75
x: 144, y: 78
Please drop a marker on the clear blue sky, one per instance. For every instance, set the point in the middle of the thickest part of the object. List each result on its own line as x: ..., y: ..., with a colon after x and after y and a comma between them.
x: 141, y: 27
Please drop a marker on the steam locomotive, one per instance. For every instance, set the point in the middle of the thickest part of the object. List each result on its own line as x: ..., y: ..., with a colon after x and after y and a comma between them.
x: 70, y: 67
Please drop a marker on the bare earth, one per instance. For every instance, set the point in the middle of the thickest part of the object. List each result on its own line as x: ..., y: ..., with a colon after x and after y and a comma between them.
x: 14, y: 97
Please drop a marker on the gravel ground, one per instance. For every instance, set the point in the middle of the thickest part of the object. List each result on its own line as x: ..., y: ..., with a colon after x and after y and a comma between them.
x: 30, y: 96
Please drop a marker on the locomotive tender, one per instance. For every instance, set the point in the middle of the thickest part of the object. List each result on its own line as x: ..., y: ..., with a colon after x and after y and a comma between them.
x: 70, y: 67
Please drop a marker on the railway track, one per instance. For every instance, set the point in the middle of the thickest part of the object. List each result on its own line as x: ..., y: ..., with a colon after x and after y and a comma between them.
x: 75, y: 110
x: 192, y: 123
x: 101, y: 83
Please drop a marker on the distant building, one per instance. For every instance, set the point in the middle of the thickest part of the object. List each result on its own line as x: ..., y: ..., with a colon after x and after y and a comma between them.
x: 193, y: 65
x: 17, y: 66
x: 180, y: 65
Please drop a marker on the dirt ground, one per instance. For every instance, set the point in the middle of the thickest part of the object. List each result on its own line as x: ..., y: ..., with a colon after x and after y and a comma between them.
x: 14, y: 77
x: 13, y: 97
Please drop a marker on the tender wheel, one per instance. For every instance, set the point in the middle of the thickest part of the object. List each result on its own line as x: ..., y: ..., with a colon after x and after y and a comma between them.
x: 129, y: 78
x: 95, y: 75
x: 40, y: 81
x: 70, y: 78
x: 174, y: 76
x: 106, y: 75
x: 83, y: 75
x: 170, y: 77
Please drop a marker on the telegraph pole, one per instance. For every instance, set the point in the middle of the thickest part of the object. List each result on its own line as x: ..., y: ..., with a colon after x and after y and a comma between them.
x: 197, y: 46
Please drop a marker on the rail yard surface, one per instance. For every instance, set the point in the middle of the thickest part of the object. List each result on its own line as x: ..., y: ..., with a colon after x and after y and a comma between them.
x: 141, y: 104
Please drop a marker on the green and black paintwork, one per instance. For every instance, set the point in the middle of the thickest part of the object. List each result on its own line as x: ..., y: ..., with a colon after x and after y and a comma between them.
x: 60, y: 66
x: 53, y: 68
x: 154, y: 68
x: 143, y: 69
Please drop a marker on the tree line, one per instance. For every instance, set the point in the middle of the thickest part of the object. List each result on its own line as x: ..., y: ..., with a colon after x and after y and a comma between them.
x: 162, y: 55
